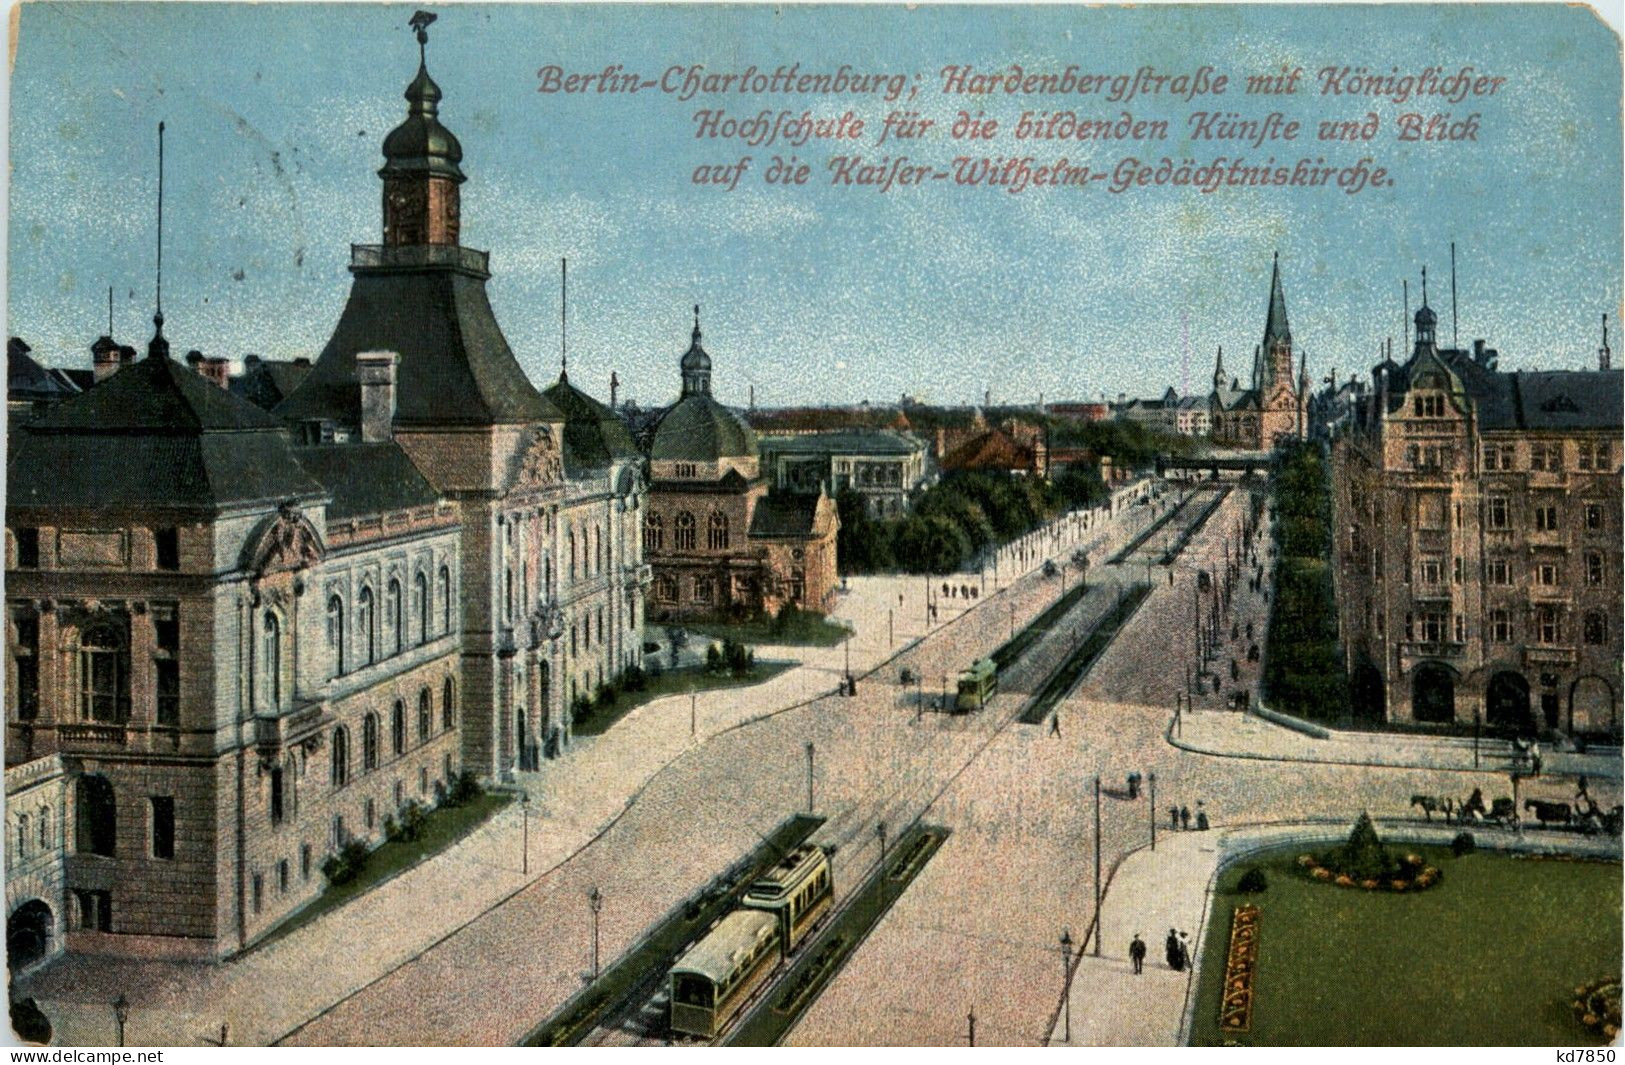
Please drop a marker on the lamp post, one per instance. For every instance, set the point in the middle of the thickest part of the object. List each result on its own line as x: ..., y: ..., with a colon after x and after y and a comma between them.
x: 970, y: 1018
x: 121, y: 1013
x: 595, y: 900
x: 1097, y: 866
x: 1475, y: 736
x: 880, y: 874
x: 891, y: 636
x: 1066, y: 974
x: 1152, y: 778
x: 1012, y: 621
x: 693, y: 714
x: 524, y: 810
x: 809, y: 779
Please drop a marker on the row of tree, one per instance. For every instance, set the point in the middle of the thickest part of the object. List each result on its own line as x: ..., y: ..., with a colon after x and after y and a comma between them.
x: 1303, y: 670
x: 958, y: 519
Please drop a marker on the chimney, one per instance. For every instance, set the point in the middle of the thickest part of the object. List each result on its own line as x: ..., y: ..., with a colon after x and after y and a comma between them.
x: 250, y: 363
x: 942, y: 440
x: 194, y: 360
x: 614, y: 389
x: 375, y: 370
x: 104, y: 358
x: 218, y: 370
x: 126, y: 355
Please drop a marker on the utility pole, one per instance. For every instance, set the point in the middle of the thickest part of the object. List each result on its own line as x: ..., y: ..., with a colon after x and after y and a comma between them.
x: 524, y: 809
x: 880, y: 872
x: 1152, y: 777
x: 891, y: 636
x: 970, y: 1018
x: 1066, y: 980
x: 1097, y: 865
x: 809, y: 779
x: 595, y: 900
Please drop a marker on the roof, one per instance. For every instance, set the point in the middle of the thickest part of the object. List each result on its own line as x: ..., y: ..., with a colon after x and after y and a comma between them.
x: 1276, y: 327
x: 992, y: 450
x: 786, y: 516
x: 699, y: 429
x: 789, y: 869
x: 266, y: 382
x: 594, y: 435
x: 421, y: 143
x: 174, y: 439
x: 854, y: 441
x: 27, y: 380
x: 714, y: 956
x: 1570, y: 399
x: 366, y: 478
x: 455, y: 365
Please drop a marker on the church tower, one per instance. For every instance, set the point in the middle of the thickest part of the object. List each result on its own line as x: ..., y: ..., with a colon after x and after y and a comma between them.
x: 1277, y: 346
x: 421, y: 172
x: 1218, y: 371
x: 695, y: 364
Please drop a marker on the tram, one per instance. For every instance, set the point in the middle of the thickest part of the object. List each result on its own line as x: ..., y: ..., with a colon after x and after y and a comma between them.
x: 977, y: 685
x: 717, y: 975
x: 797, y: 890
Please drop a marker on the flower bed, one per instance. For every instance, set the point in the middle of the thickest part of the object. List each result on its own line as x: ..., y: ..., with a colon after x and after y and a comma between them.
x: 1415, y: 875
x: 1596, y: 1005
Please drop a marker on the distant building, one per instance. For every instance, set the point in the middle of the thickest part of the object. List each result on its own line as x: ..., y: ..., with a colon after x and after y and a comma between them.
x: 1477, y: 518
x: 886, y: 467
x: 717, y: 540
x: 1271, y: 408
x: 1170, y: 413
x: 1015, y: 448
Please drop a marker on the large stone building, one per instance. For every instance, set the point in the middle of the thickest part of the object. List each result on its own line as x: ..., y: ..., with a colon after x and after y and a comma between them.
x: 238, y: 639
x: 1271, y: 408
x: 1478, y: 543
x: 884, y: 467
x: 718, y: 540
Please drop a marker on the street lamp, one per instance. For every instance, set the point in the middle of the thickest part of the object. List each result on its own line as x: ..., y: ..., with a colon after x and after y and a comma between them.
x: 121, y: 1013
x: 1066, y: 980
x: 1152, y: 777
x: 693, y: 714
x: 880, y: 876
x: 524, y: 810
x: 809, y: 779
x: 595, y: 900
x: 1097, y: 866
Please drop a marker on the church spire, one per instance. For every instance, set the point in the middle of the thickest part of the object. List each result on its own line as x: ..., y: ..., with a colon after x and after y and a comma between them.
x: 158, y: 346
x: 696, y: 364
x: 1276, y: 328
x: 1218, y: 371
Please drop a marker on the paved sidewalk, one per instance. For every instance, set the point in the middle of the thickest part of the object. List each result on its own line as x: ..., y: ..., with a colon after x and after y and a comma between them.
x: 1153, y: 891
x: 1231, y: 735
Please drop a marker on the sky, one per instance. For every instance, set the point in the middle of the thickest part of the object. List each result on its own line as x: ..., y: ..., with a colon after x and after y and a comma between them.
x: 812, y: 294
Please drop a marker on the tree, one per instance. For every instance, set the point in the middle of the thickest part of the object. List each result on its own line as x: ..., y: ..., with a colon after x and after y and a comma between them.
x: 863, y: 545
x: 1079, y: 486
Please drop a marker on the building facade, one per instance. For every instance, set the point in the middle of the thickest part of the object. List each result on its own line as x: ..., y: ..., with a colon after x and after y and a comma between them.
x: 718, y: 541
x: 1478, y: 543
x: 885, y: 467
x: 1272, y: 408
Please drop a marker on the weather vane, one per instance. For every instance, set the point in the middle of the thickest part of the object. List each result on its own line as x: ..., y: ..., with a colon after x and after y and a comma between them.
x: 421, y: 21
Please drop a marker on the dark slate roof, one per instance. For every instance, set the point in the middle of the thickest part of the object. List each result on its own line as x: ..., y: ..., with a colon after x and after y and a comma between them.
x: 992, y: 450
x: 1276, y: 326
x: 1570, y: 399
x: 268, y: 382
x: 421, y: 144
x: 28, y: 381
x: 455, y: 365
x: 699, y: 429
x: 366, y: 478
x: 594, y: 435
x: 154, y: 435
x: 857, y: 441
x: 80, y: 379
x: 782, y: 515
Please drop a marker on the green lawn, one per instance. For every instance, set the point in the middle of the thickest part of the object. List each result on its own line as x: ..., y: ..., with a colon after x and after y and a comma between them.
x: 598, y: 721
x: 1490, y: 956
x: 803, y: 630
x: 445, y: 826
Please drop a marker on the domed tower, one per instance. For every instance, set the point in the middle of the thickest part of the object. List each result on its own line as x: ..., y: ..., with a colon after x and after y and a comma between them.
x: 421, y: 172
x: 699, y: 438
x: 1426, y: 321
x: 696, y: 364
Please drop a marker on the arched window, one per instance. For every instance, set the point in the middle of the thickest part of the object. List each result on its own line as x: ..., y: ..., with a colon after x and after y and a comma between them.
x: 272, y: 632
x: 654, y: 533
x: 683, y: 531
x: 448, y: 698
x: 104, y: 675
x: 665, y: 588
x: 445, y: 599
x: 570, y: 541
x: 716, y: 535
x: 340, y: 771
x: 44, y: 828
x: 397, y: 614
x: 24, y: 839
x: 369, y: 743
x: 335, y: 633
x: 420, y: 595
x: 96, y: 816
x: 397, y: 728
x: 425, y: 714
x: 365, y: 618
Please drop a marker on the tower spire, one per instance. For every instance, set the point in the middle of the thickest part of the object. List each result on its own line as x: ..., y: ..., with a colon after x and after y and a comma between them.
x: 1605, y: 358
x: 564, y: 288
x: 1455, y: 331
x: 158, y: 347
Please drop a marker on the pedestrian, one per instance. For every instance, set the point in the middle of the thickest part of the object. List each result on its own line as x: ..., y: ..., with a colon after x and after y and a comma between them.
x: 1534, y: 757
x: 1184, y: 818
x: 1171, y: 950
x: 1173, y: 818
x: 1235, y: 671
x: 899, y: 600
x: 1201, y: 818
x: 1055, y: 724
x: 1184, y: 951
x: 1170, y: 576
x: 1136, y: 952
x: 1580, y: 789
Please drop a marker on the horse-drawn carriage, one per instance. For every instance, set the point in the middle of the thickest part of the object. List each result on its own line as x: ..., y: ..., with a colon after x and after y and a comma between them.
x: 1583, y: 814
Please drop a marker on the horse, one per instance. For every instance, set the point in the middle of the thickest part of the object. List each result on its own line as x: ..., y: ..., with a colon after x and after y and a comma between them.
x: 1431, y: 804
x: 1559, y: 813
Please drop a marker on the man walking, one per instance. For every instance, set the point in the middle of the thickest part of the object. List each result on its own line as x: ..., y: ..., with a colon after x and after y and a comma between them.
x: 1171, y: 950
x: 1185, y: 817
x: 1055, y: 725
x: 1136, y: 953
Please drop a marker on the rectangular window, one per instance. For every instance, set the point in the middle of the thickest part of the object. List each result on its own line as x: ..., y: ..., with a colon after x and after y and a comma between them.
x: 1500, y: 626
x: 1546, y: 519
x: 259, y: 892
x: 1537, y: 456
x: 369, y: 814
x: 304, y: 861
x: 1546, y: 574
x: 167, y: 545
x: 1547, y: 628
x: 1593, y: 517
x: 166, y: 633
x: 1499, y: 572
x: 1461, y: 628
x: 26, y: 656
x: 1492, y: 457
x: 282, y: 876
x: 1457, y: 573
x: 276, y: 796
x: 27, y: 548
x: 1496, y: 513
x: 1432, y: 627
x: 1593, y: 567
x: 163, y: 826
x: 1432, y: 570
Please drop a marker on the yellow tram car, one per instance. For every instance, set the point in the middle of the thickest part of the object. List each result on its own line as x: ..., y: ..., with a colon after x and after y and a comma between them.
x: 716, y: 977
x: 797, y: 890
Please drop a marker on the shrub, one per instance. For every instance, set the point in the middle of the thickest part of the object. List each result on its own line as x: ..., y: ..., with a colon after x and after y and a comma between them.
x: 1464, y: 843
x: 605, y: 695
x: 713, y: 659
x: 634, y: 679
x: 737, y: 657
x: 1252, y: 882
x: 465, y: 788
x: 580, y: 708
x: 1363, y: 856
x: 345, y: 865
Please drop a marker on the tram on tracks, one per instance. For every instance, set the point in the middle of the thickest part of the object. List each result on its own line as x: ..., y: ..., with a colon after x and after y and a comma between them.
x: 976, y: 686
x: 717, y: 976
